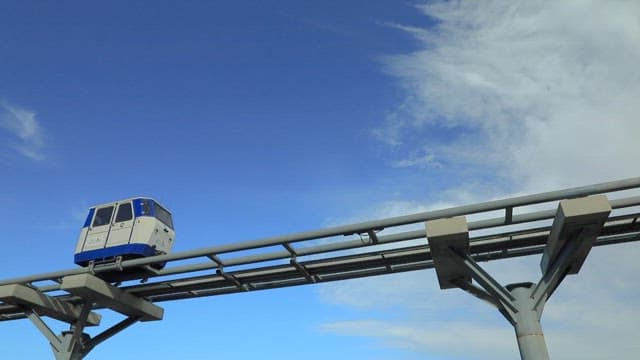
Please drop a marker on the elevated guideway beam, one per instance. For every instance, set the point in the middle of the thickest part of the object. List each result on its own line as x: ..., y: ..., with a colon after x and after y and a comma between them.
x: 499, y: 229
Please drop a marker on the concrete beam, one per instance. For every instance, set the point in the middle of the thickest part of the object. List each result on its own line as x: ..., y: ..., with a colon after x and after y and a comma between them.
x: 444, y: 235
x: 578, y: 220
x: 21, y: 295
x: 90, y: 287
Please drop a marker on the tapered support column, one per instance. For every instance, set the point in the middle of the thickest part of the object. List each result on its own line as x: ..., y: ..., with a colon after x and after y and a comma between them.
x: 576, y: 225
x: 526, y: 322
x: 516, y: 302
x: 75, y: 344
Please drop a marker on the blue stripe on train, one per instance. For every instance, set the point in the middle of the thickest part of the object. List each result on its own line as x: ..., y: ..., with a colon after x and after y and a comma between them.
x: 89, y: 217
x: 143, y: 207
x: 84, y: 257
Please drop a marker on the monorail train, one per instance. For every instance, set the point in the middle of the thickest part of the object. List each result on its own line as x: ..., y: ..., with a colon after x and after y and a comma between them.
x: 130, y: 228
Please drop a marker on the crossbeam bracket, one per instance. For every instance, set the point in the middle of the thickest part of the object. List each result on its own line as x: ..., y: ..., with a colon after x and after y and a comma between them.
x: 22, y: 295
x: 90, y: 287
x: 446, y: 237
x: 578, y: 220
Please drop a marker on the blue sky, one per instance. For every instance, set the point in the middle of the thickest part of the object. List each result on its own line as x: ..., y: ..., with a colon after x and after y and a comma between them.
x: 252, y: 119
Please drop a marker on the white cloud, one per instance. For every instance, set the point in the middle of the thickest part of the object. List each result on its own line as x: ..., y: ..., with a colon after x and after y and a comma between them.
x: 543, y: 95
x: 434, y: 338
x: 420, y: 158
x: 23, y: 131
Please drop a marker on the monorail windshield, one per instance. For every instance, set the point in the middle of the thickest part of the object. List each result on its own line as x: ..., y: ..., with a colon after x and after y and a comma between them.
x: 148, y: 207
x: 163, y: 215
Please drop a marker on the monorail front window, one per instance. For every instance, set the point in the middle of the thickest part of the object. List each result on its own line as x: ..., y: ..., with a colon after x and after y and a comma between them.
x: 148, y: 207
x: 163, y: 215
x: 103, y: 216
x: 125, y: 213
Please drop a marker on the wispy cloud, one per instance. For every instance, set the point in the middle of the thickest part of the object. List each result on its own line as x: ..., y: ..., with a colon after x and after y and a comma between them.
x: 419, y: 158
x: 22, y: 130
x: 433, y: 338
x: 544, y: 95
x: 545, y: 92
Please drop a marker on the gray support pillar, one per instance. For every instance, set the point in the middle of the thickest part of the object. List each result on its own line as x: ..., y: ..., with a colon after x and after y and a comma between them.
x: 575, y: 227
x: 516, y: 302
x: 72, y: 347
x: 526, y: 322
x: 74, y: 344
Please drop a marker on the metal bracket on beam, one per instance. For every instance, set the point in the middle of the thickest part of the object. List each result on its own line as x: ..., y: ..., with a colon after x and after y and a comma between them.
x: 386, y: 263
x: 119, y: 263
x: 373, y: 237
x: 233, y: 280
x: 303, y: 270
x: 294, y: 262
x: 444, y: 236
x: 290, y: 249
x: 216, y: 260
x: 508, y: 215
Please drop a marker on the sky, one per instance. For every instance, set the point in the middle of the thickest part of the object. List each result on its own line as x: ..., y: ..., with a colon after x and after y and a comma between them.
x: 249, y: 119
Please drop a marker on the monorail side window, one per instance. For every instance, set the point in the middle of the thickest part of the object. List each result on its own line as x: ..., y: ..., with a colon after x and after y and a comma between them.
x: 163, y: 215
x: 125, y: 213
x: 103, y: 216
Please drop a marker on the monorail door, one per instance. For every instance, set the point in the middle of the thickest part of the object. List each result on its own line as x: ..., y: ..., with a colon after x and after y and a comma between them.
x: 99, y: 230
x: 122, y: 225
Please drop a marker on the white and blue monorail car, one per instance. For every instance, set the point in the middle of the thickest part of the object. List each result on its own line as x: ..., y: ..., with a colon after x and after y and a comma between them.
x: 131, y: 228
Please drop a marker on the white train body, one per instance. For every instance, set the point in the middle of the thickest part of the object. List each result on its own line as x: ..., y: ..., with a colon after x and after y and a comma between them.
x: 130, y: 228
